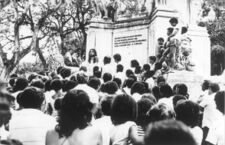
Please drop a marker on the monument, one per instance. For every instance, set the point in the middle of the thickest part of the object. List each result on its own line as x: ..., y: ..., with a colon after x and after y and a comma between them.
x: 133, y: 27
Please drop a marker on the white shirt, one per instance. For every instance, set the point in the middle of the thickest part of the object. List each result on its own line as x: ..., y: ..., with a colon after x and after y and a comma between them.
x: 119, y: 134
x: 4, y: 134
x: 210, y: 113
x: 30, y: 126
x: 104, y: 124
x: 216, y: 132
x: 108, y: 68
x: 92, y: 93
x: 197, y: 134
x: 136, y: 97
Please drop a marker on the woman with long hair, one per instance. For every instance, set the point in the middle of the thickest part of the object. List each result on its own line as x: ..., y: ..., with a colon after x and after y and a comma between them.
x: 73, y: 123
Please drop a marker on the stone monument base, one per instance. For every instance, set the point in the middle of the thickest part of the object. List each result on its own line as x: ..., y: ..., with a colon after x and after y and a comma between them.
x: 191, y: 79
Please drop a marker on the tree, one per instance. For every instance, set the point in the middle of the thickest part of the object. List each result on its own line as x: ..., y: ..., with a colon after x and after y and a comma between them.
x: 16, y: 15
x: 216, y: 30
x: 71, y: 19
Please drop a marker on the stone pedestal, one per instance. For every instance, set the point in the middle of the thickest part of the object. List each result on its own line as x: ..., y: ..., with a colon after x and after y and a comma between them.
x: 136, y: 38
x: 130, y: 38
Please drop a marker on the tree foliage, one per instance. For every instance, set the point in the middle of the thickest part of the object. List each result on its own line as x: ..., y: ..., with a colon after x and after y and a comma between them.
x: 33, y: 25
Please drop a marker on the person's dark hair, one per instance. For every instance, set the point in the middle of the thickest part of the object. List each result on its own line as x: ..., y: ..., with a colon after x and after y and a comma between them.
x: 129, y: 82
x: 119, y: 68
x: 124, y: 108
x: 129, y: 72
x: 107, y: 77
x: 158, y: 66
x: 156, y: 92
x: 178, y: 98
x: 169, y: 30
x: 94, y: 83
x: 117, y: 57
x: 184, y: 30
x: 137, y: 70
x: 182, y: 89
x: 95, y: 69
x: 144, y: 105
x: 118, y: 82
x: 159, y: 112
x: 98, y: 74
x: 31, y: 98
x: 57, y: 104
x: 38, y: 84
x: 13, y: 76
x: 73, y: 78
x: 31, y: 77
x: 92, y: 56
x: 81, y: 79
x: 68, y: 85
x: 106, y: 60
x: 160, y: 39
x: 20, y: 84
x: 75, y: 112
x: 146, y: 67
x: 150, y: 97
x: 65, y: 73
x: 133, y: 77
x: 187, y: 112
x: 48, y: 85
x: 166, y: 91
x: 12, y: 82
x: 175, y: 88
x: 173, y: 20
x: 219, y: 99
x: 148, y: 74
x: 56, y: 85
x: 168, y: 132
x: 83, y: 68
x: 160, y: 80
x: 138, y: 87
x: 153, y: 58
x: 106, y: 104
x: 111, y: 87
x: 205, y: 85
x: 134, y: 63
x: 59, y: 69
x: 214, y: 87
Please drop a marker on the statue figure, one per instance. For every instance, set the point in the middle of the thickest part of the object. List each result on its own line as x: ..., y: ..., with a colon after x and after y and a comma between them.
x: 185, y: 50
x: 112, y: 7
x: 105, y: 9
x: 100, y: 8
x: 128, y: 8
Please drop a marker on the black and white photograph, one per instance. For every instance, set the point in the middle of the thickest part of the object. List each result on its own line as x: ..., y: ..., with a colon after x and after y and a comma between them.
x: 112, y: 72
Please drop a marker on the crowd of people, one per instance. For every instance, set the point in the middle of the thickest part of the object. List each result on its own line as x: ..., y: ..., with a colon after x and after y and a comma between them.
x: 108, y: 105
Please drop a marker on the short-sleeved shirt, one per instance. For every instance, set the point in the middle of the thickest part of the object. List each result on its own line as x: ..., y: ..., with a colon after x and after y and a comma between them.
x: 30, y: 126
x: 119, y: 135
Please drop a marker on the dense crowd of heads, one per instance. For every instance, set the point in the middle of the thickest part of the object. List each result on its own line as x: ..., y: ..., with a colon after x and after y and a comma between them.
x: 136, y: 94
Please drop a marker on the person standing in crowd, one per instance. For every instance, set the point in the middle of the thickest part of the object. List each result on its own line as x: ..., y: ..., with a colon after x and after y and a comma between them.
x: 74, y: 122
x: 208, y: 104
x: 104, y: 123
x: 107, y: 66
x: 216, y: 131
x: 160, y: 46
x: 30, y: 125
x: 189, y: 112
x: 123, y: 115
